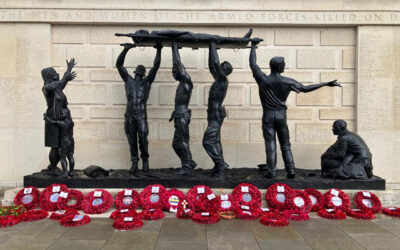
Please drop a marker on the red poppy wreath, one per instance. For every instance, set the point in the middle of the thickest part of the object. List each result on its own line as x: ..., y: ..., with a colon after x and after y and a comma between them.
x: 127, y: 223
x: 336, y: 198
x: 368, y: 201
x: 173, y: 197
x: 360, y: 214
x: 296, y: 215
x: 127, y: 199
x: 97, y: 202
x: 184, y: 213
x: 75, y: 220
x: 70, y: 195
x: 202, y: 199
x: 332, y: 214
x: 317, y: 199
x: 9, y: 220
x: 50, y: 195
x: 28, y: 196
x: 246, y: 194
x: 274, y: 219
x: 152, y: 197
x: 59, y: 214
x: 227, y: 203
x: 151, y: 214
x: 34, y: 215
x: 298, y: 200
x: 276, y: 195
x: 247, y: 214
x: 117, y: 214
x: 206, y: 218
x: 392, y: 211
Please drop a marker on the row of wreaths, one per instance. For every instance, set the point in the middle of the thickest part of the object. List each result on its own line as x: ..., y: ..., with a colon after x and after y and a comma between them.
x: 200, y: 204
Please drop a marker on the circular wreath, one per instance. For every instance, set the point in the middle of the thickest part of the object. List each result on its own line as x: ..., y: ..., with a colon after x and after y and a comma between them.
x: 34, y: 215
x: 49, y: 199
x: 206, y: 218
x: 277, y: 199
x: 9, y: 220
x: 194, y: 197
x: 336, y: 198
x: 296, y: 215
x: 97, y: 205
x: 360, y: 214
x: 246, y: 194
x: 62, y: 203
x: 264, y: 210
x: 184, y: 213
x: 125, y: 201
x: 151, y: 214
x: 150, y: 199
x: 317, y: 199
x: 59, y: 214
x: 173, y: 197
x: 274, y: 219
x: 368, y: 201
x: 12, y: 210
x: 117, y: 214
x: 392, y: 211
x: 75, y: 220
x: 127, y: 223
x: 298, y: 200
x: 332, y: 214
x: 252, y: 214
x: 29, y: 197
x: 227, y: 203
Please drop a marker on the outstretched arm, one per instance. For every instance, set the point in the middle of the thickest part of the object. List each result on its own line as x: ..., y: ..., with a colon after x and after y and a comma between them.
x: 176, y: 61
x: 156, y: 65
x: 121, y: 59
x: 257, y: 73
x: 298, y: 87
x: 53, y: 85
x: 213, y: 62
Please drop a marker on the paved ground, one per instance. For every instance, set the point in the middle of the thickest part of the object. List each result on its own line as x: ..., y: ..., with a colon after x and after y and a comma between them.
x: 175, y: 234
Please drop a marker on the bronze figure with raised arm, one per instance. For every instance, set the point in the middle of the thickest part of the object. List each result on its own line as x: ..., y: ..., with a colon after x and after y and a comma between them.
x: 274, y: 90
x: 137, y: 93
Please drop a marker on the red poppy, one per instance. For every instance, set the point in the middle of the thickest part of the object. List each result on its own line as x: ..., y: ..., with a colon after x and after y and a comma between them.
x: 332, y: 214
x: 296, y: 215
x: 127, y: 199
x: 276, y: 195
x: 75, y: 220
x: 368, y: 201
x: 392, y: 211
x: 151, y: 214
x: 152, y: 197
x: 245, y: 214
x: 246, y: 194
x: 97, y: 202
x: 202, y: 199
x: 184, y: 213
x: 298, y: 200
x: 127, y: 223
x: 49, y: 196
x: 9, y: 220
x: 206, y: 218
x: 59, y: 214
x: 336, y: 198
x: 227, y: 203
x: 71, y: 194
x: 360, y: 214
x: 34, y: 215
x: 28, y: 196
x: 123, y: 213
x: 317, y: 199
x: 274, y: 219
x: 173, y: 197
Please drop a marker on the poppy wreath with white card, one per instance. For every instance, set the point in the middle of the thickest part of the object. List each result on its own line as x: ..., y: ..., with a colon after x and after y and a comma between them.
x: 34, y: 215
x: 368, y: 201
x: 201, y: 198
x: 75, y: 220
x: 9, y: 220
x: 296, y: 215
x: 246, y: 213
x: 127, y: 199
x: 206, y: 218
x: 50, y: 195
x: 227, y: 203
x: 123, y: 213
x: 392, y: 211
x: 59, y: 214
x: 361, y: 214
x: 152, y: 197
x: 210, y: 203
x: 173, y: 197
x: 274, y: 219
x: 28, y: 196
x: 246, y: 194
x: 127, y: 223
x: 276, y: 196
x: 332, y: 214
x: 317, y: 199
x: 184, y: 213
x: 151, y: 214
x: 336, y: 198
x: 298, y: 200
x: 71, y: 194
x: 263, y: 210
x: 97, y: 202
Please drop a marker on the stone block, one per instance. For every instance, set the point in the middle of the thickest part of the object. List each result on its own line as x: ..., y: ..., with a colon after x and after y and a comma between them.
x: 70, y: 34
x: 234, y: 96
x: 160, y: 112
x: 349, y: 58
x: 90, y: 130
x: 322, y: 97
x: 314, y: 133
x: 107, y: 112
x: 78, y: 93
x: 77, y: 112
x: 88, y: 56
x: 265, y: 54
x: 294, y: 36
x: 58, y: 55
x: 349, y: 94
x: 116, y: 94
x: 7, y: 102
x: 337, y: 113
x: 236, y: 131
x: 244, y: 113
x: 167, y: 95
x: 106, y: 75
x: 256, y: 134
x: 106, y: 34
x: 299, y: 114
x: 254, y: 95
x: 338, y: 36
x: 341, y: 76
x: 316, y: 58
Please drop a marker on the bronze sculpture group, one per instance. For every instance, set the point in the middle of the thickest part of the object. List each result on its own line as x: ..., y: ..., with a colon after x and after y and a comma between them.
x: 348, y: 158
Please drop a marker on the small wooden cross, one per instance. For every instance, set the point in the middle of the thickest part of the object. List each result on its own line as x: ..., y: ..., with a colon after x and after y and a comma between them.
x: 184, y: 203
